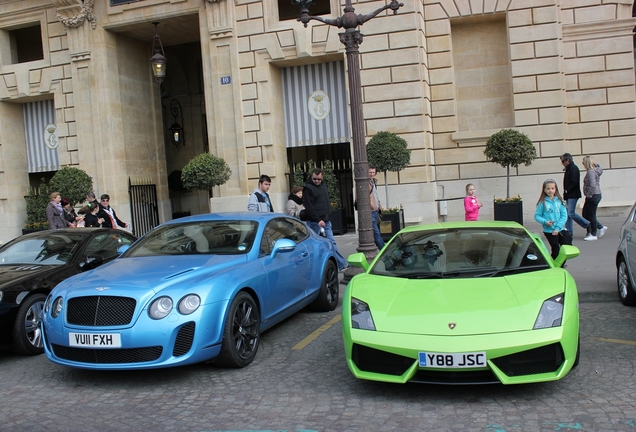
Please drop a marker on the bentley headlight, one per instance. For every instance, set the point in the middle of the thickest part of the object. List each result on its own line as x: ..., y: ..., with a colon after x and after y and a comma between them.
x: 550, y: 314
x: 160, y: 308
x: 189, y: 304
x: 56, y: 308
x: 47, y: 303
x: 361, y: 315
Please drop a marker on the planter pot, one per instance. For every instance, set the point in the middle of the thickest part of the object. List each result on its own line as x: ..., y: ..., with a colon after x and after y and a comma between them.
x: 509, y: 211
x: 338, y: 220
x: 391, y: 223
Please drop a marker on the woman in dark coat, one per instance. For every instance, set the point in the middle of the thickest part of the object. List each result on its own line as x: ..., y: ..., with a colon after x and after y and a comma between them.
x: 572, y: 192
x: 69, y: 212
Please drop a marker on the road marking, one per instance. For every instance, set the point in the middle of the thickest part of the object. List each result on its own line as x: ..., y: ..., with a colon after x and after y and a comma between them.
x: 320, y: 330
x: 619, y: 341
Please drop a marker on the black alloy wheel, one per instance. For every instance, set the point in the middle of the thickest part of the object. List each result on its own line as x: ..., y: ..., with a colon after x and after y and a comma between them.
x: 241, y: 334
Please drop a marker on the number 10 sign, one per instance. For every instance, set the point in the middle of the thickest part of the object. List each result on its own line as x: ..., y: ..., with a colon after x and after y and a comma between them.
x: 226, y: 80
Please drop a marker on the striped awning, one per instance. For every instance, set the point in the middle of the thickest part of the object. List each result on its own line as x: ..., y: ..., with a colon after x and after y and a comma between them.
x: 315, y: 103
x: 41, y: 136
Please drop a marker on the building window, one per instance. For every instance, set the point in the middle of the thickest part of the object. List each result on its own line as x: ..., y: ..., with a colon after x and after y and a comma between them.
x: 483, y: 80
x: 26, y: 44
x: 289, y: 11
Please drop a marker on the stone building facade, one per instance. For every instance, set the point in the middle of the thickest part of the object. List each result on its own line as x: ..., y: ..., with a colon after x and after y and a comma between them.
x: 443, y: 74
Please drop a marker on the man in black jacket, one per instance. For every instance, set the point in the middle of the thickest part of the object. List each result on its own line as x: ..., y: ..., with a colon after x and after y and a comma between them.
x: 317, y: 210
x: 110, y: 220
x: 572, y: 192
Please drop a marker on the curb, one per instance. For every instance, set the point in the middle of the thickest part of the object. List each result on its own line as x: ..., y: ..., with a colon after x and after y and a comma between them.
x: 598, y: 297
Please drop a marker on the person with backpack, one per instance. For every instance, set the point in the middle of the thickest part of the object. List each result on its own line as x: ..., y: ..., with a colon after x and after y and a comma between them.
x: 259, y: 199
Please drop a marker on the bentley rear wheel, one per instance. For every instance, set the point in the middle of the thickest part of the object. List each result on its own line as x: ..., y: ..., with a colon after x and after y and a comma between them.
x: 329, y: 290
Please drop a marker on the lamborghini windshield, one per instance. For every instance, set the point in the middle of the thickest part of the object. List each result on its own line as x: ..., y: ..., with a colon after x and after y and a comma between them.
x: 460, y: 252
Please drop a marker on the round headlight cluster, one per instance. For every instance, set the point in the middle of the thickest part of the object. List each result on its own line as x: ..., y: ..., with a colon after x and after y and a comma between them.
x: 56, y: 308
x: 189, y: 304
x: 160, y: 308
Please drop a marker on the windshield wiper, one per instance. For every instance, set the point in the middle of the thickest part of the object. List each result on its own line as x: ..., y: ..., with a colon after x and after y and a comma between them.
x: 442, y: 275
x: 426, y: 275
x: 513, y: 270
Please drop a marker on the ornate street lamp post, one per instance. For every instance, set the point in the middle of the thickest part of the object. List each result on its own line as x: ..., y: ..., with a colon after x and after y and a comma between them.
x: 352, y: 38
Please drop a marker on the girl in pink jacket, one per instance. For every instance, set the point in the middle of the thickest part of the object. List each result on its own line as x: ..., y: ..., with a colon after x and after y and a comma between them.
x: 471, y: 203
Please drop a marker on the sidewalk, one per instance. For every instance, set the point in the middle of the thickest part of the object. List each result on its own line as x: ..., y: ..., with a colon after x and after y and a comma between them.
x: 594, y: 269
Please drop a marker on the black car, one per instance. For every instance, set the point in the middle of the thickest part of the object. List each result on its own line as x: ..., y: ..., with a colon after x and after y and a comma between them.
x: 33, y: 264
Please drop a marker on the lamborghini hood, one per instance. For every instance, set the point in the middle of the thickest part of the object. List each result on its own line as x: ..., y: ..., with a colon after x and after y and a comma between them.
x: 456, y: 307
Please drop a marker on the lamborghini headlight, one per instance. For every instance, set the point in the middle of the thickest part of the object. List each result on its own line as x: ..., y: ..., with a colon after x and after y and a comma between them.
x: 551, y: 313
x: 361, y: 315
x: 160, y: 308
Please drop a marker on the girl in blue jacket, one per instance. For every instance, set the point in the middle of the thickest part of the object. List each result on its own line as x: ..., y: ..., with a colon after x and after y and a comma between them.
x: 552, y: 214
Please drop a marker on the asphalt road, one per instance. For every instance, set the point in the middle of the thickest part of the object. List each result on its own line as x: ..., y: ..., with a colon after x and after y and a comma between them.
x: 299, y: 381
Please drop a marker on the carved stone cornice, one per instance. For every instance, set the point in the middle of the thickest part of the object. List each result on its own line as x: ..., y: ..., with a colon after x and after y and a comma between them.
x: 73, y: 13
x: 220, y: 19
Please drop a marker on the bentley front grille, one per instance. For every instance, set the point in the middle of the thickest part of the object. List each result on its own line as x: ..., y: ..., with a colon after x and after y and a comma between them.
x: 100, y: 311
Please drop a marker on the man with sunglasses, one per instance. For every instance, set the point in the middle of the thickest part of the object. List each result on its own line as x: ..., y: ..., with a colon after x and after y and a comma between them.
x: 110, y: 220
x: 318, y: 208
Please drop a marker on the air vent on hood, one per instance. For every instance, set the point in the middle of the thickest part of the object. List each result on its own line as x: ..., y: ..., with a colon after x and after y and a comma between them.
x: 172, y: 276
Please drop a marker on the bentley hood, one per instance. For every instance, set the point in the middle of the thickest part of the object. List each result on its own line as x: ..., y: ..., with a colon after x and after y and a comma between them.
x: 455, y: 307
x: 148, y: 273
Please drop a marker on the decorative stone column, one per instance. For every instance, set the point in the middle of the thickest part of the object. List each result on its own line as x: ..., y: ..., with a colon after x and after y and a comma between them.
x: 78, y: 110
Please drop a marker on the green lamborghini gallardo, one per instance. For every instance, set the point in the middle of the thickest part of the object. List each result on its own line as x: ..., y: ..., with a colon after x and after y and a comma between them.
x: 462, y: 303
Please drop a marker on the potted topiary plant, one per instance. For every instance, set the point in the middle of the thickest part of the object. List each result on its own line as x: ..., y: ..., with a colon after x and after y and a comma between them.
x: 37, y: 200
x: 205, y: 171
x: 509, y: 147
x: 387, y: 151
x: 73, y: 183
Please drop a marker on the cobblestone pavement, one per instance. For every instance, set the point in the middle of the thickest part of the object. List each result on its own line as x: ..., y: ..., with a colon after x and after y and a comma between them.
x: 311, y: 389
